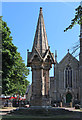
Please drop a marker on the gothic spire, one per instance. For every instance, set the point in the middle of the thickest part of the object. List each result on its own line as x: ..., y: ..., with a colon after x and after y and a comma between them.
x: 40, y: 40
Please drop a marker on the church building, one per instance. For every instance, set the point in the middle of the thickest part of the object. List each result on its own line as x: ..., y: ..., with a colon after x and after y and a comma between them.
x: 65, y: 85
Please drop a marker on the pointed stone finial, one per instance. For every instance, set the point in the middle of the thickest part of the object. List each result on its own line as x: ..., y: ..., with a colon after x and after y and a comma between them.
x: 56, y: 55
x: 40, y: 9
x: 49, y: 47
x: 68, y: 50
x: 27, y: 50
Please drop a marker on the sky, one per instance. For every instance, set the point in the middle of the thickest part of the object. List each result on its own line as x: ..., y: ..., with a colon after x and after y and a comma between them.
x: 22, y: 17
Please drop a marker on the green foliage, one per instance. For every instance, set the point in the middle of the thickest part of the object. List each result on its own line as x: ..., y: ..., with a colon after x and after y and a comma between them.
x: 14, y: 71
x: 77, y: 19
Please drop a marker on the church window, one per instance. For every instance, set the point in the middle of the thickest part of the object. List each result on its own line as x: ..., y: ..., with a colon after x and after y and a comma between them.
x: 68, y: 77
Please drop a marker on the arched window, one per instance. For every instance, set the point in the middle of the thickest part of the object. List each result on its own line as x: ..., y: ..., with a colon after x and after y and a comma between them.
x: 68, y: 77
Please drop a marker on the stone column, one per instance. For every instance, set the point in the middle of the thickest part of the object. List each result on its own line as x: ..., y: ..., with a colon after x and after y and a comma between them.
x: 37, y: 78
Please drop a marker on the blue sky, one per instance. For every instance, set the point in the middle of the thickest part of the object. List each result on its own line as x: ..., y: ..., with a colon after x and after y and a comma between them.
x: 22, y: 17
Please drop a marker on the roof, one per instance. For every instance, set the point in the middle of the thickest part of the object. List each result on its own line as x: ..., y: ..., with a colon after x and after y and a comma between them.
x: 68, y: 55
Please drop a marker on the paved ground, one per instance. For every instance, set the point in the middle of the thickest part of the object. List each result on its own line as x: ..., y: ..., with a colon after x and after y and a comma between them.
x: 73, y: 109
x: 5, y: 111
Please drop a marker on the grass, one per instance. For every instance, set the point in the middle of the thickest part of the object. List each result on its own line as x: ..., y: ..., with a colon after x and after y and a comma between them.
x: 22, y: 116
x: 26, y: 117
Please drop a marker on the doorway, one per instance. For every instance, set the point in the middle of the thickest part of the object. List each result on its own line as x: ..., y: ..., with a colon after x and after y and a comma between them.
x: 68, y: 97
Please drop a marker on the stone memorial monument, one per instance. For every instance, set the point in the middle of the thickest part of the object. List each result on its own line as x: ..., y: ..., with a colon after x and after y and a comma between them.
x: 40, y: 59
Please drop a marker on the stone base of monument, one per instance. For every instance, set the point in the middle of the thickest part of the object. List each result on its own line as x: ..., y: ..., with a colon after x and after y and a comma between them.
x: 40, y: 107
x: 40, y: 101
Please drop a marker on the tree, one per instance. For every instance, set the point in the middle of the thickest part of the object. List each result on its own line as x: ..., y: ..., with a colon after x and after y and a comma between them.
x: 77, y: 20
x: 14, y: 71
x: 0, y: 58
